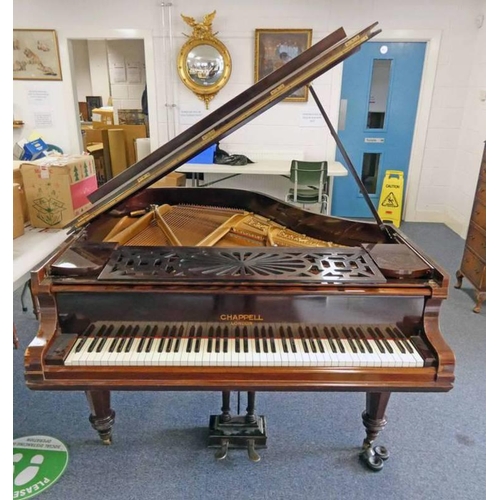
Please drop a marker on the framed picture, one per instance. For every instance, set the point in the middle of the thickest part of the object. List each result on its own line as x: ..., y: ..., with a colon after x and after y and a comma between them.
x: 93, y: 102
x: 275, y: 47
x: 36, y: 55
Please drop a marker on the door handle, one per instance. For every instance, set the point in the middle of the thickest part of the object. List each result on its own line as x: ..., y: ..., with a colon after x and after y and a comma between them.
x: 342, y: 114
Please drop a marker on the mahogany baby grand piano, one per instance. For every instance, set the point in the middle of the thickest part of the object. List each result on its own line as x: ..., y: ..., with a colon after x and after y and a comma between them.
x: 229, y: 290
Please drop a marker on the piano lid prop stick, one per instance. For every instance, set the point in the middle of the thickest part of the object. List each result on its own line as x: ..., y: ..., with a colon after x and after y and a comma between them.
x: 348, y: 161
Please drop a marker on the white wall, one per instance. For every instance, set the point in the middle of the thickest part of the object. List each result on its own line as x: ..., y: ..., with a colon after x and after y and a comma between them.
x: 448, y: 145
x: 81, y: 73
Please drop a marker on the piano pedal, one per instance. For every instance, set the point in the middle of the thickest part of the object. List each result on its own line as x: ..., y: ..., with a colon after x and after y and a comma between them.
x: 252, y: 454
x: 237, y: 433
x: 374, y: 457
x: 221, y: 453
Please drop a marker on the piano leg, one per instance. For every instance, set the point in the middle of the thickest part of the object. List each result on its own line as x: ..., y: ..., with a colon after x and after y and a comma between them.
x: 102, y: 417
x: 374, y: 421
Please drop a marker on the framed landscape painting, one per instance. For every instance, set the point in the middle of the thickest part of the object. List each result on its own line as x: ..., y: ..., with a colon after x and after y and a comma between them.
x: 36, y: 55
x: 275, y: 47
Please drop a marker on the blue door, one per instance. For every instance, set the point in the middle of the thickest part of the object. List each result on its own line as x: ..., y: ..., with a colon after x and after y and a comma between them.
x: 379, y: 97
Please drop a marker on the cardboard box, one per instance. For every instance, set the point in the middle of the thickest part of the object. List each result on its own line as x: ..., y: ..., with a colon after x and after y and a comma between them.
x: 19, y: 149
x: 34, y: 149
x: 57, y: 188
x: 17, y: 211
x: 173, y: 179
x: 18, y: 179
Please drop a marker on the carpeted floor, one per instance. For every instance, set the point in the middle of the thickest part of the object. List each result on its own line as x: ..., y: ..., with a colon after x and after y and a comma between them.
x: 437, y: 441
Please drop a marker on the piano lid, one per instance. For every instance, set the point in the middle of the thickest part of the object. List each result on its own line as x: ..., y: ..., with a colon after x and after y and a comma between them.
x: 261, y: 96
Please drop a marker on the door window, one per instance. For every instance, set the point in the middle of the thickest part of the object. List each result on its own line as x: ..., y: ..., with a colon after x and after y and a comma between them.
x: 379, y: 90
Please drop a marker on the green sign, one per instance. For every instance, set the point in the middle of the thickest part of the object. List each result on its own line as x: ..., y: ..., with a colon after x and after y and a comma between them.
x: 39, y: 462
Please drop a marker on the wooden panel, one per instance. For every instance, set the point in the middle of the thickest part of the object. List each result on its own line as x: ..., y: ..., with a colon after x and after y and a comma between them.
x: 474, y: 269
x: 476, y: 241
x: 479, y: 214
x: 117, y: 151
x: 481, y: 190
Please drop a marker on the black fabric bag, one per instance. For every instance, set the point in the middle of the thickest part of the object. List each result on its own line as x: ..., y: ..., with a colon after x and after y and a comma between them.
x: 221, y: 157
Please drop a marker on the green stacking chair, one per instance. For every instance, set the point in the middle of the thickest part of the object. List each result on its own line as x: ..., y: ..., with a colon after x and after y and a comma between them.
x: 309, y: 180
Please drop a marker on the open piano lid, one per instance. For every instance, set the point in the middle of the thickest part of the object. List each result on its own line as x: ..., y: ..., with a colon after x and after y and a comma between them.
x: 261, y: 96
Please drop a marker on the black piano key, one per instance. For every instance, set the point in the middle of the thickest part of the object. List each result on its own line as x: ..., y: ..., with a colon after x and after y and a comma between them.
x: 237, y: 339
x: 348, y: 338
x: 162, y: 342
x: 359, y: 344
x: 199, y: 333
x: 265, y: 347
x: 245, y: 339
x: 105, y: 338
x: 131, y: 339
x: 283, y: 339
x: 178, y: 340
x: 374, y: 336
x: 190, y: 341
x: 210, y: 339
x: 317, y: 336
x: 382, y: 337
x: 330, y: 340
x: 142, y: 342
x: 151, y: 339
x: 124, y: 339
x: 225, y: 342
x: 171, y: 338
x: 85, y: 337
x: 293, y: 347
x: 218, y: 334
x: 118, y: 335
x: 363, y: 338
x: 398, y: 343
x: 303, y: 339
x: 336, y: 338
x: 272, y: 343
x: 96, y: 339
x: 310, y: 338
x: 403, y: 339
x: 256, y: 339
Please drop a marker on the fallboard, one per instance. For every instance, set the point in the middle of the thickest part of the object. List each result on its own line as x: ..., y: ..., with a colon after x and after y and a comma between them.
x: 77, y: 310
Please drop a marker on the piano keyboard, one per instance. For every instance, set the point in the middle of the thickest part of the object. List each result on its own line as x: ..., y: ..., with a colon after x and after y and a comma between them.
x: 216, y: 344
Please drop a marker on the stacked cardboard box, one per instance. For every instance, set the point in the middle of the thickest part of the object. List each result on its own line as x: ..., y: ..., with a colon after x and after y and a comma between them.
x: 57, y: 188
x: 173, y: 179
x: 17, y: 211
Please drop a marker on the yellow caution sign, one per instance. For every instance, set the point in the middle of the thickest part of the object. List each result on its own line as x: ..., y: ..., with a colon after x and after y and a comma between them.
x: 391, y: 199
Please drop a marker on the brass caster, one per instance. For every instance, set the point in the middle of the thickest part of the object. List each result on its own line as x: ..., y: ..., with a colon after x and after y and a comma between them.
x: 374, y: 458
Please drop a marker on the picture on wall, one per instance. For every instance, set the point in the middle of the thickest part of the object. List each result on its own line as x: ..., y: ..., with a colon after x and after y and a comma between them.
x: 275, y: 47
x: 36, y: 55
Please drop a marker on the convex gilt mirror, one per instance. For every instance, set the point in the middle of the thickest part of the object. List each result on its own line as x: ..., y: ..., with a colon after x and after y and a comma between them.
x: 204, y: 63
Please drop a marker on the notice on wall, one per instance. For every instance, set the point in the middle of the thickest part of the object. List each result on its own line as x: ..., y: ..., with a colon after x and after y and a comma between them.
x: 118, y: 73
x: 189, y: 116
x: 134, y: 73
x: 43, y: 119
x: 311, y: 118
x: 38, y: 98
